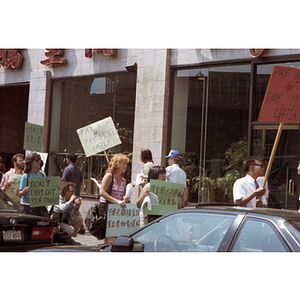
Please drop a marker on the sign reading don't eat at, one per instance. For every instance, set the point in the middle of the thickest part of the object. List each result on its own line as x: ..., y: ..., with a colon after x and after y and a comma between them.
x: 282, y: 98
x: 98, y: 136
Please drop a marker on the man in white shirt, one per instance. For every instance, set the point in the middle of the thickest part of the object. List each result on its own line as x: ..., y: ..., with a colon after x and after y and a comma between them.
x: 246, y: 191
x: 175, y: 174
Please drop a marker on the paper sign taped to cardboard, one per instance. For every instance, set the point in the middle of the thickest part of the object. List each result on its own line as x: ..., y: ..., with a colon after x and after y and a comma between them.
x: 167, y: 194
x: 98, y: 136
x: 122, y: 221
x: 282, y: 98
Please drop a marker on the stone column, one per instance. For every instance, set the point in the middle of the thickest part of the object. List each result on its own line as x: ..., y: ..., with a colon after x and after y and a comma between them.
x: 151, y: 109
x: 39, y: 102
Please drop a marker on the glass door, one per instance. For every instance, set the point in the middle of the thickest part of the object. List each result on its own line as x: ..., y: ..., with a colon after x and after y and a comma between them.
x: 283, y: 178
x: 210, y: 113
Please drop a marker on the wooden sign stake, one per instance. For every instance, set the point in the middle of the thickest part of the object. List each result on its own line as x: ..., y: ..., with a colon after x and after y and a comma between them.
x: 106, y: 156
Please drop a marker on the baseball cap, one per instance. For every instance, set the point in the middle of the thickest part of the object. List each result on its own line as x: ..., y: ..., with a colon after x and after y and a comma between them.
x: 173, y: 153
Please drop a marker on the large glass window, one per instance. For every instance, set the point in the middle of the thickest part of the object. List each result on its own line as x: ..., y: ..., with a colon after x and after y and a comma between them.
x: 283, y: 176
x: 210, y: 122
x: 80, y: 102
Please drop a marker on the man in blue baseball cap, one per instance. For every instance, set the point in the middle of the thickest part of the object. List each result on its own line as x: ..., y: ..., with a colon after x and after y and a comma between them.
x: 175, y: 174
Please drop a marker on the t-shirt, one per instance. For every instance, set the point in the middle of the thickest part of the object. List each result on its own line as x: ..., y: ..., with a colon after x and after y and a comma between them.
x: 72, y: 173
x: 25, y: 200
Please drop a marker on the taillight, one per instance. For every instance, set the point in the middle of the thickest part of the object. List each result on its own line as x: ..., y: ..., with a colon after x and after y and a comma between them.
x: 42, y: 233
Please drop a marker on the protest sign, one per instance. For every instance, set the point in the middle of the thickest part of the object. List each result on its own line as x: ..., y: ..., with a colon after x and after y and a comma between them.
x: 98, y: 136
x: 33, y: 137
x: 13, y: 190
x: 167, y: 194
x: 282, y: 98
x: 122, y: 221
x: 43, y: 191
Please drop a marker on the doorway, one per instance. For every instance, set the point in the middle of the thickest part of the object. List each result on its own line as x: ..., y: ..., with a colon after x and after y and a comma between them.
x: 13, y: 115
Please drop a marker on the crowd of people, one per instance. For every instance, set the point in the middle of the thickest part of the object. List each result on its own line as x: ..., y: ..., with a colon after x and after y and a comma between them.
x: 247, y: 191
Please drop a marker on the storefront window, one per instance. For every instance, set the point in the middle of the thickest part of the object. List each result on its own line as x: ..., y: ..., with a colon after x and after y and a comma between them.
x: 210, y: 110
x: 282, y: 181
x: 80, y: 102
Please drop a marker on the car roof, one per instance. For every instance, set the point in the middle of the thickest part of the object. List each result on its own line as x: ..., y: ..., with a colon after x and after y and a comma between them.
x: 229, y: 208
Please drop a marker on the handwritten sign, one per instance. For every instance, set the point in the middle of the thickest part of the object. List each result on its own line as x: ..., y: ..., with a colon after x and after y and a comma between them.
x: 98, y: 136
x: 282, y: 99
x: 122, y: 221
x: 43, y: 191
x: 167, y: 194
x: 13, y: 190
x: 33, y: 137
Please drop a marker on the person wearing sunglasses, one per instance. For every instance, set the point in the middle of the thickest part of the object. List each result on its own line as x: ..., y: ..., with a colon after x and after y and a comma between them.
x: 32, y: 169
x: 246, y: 190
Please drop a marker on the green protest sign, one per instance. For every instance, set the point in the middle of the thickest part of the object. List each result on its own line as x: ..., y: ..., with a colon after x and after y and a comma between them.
x: 43, y: 191
x: 167, y: 194
x: 98, y: 136
x: 33, y: 137
x: 122, y: 221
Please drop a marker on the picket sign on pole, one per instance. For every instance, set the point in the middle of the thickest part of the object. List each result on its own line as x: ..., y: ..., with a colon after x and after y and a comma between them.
x: 270, y: 162
x: 281, y: 104
x: 106, y: 156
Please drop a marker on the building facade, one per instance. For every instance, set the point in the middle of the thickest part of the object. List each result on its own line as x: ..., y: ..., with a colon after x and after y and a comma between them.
x: 204, y: 103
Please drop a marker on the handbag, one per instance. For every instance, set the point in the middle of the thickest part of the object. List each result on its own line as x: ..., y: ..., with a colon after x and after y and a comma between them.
x: 95, y: 219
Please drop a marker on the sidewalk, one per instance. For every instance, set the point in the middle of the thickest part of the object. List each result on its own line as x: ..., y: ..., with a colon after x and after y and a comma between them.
x: 87, y: 239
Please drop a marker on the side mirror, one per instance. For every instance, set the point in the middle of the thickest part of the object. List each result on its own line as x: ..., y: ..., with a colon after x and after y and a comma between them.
x: 122, y: 244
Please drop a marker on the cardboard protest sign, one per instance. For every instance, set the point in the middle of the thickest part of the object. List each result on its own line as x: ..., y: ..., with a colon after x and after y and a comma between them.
x: 122, y: 221
x: 98, y: 136
x: 33, y: 137
x: 167, y: 194
x: 13, y: 190
x: 43, y: 191
x: 282, y: 98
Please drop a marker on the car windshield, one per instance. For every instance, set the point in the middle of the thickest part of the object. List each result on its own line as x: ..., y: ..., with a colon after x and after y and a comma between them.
x: 6, y: 204
x: 187, y: 231
x: 294, y: 228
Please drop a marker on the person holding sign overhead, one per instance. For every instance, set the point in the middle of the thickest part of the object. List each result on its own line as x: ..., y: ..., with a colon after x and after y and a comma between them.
x: 32, y: 169
x: 246, y: 191
x: 113, y: 186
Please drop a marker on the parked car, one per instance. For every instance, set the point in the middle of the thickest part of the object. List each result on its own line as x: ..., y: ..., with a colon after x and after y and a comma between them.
x: 21, y: 232
x: 210, y: 228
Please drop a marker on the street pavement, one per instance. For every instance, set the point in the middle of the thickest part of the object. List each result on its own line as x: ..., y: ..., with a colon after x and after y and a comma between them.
x: 87, y: 239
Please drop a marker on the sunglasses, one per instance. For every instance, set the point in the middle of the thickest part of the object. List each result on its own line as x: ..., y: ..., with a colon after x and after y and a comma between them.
x: 261, y: 165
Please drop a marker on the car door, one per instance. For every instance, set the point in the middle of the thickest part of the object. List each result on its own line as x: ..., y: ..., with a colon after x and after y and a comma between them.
x: 258, y: 235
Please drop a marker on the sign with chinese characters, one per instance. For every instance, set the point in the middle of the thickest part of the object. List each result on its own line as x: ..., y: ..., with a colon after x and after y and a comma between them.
x: 98, y: 136
x: 55, y: 56
x: 122, y: 221
x: 282, y: 98
x: 33, y: 137
x: 13, y: 190
x: 106, y: 52
x: 167, y: 194
x: 43, y: 191
x: 10, y: 58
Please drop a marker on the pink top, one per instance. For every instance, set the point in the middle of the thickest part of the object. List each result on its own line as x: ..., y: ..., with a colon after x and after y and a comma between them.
x: 117, y: 191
